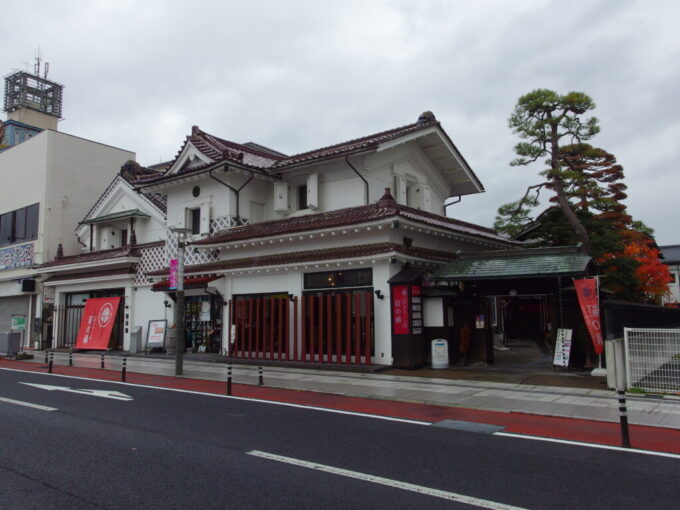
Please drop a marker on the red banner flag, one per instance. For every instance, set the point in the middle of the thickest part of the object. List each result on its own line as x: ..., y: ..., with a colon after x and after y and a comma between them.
x: 97, y: 322
x: 586, y: 290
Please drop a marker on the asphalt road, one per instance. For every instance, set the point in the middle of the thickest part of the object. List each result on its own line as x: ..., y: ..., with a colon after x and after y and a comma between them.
x: 161, y: 449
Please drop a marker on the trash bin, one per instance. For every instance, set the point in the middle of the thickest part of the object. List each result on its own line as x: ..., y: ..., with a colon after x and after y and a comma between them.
x: 136, y: 340
x: 440, y: 353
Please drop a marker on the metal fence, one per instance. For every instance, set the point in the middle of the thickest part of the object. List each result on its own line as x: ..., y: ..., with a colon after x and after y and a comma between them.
x: 653, y: 359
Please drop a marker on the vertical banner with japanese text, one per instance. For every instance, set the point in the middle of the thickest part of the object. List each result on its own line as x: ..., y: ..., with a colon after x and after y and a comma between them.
x: 400, y: 310
x: 97, y: 323
x: 174, y: 264
x: 586, y: 290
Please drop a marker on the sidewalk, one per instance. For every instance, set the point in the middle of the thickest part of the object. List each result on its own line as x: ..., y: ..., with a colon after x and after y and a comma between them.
x: 403, y: 386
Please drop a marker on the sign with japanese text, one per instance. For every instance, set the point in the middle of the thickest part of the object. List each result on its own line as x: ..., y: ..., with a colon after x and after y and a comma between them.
x: 400, y: 310
x: 155, y: 335
x: 174, y: 263
x: 586, y: 290
x: 97, y: 322
x: 562, y: 348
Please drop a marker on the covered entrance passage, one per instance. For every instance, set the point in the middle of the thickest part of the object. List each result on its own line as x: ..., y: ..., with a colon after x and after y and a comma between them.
x: 511, y: 301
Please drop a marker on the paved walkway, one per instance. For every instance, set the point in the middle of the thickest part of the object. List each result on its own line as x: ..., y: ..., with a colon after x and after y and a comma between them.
x: 568, y: 402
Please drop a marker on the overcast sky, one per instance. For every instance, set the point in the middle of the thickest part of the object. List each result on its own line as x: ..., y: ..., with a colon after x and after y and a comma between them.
x: 299, y: 75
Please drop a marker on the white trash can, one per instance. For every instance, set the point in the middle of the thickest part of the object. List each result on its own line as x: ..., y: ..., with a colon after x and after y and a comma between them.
x: 440, y: 353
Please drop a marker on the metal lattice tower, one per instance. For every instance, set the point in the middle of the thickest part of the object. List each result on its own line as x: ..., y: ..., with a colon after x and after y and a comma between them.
x: 25, y: 90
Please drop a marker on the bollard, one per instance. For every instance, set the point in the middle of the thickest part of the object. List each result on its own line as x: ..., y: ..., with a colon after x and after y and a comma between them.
x: 261, y: 380
x: 102, y: 365
x: 620, y: 365
x: 70, y: 357
x: 228, y: 379
x: 46, y: 354
x: 49, y: 366
x: 124, y: 371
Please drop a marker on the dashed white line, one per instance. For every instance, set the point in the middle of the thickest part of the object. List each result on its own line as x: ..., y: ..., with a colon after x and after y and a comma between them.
x: 27, y: 404
x: 427, y: 491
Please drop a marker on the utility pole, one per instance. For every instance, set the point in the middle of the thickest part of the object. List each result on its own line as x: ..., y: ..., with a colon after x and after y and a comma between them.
x: 180, y: 310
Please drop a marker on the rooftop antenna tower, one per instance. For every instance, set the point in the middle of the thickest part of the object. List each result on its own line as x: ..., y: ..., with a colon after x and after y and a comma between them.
x: 32, y: 99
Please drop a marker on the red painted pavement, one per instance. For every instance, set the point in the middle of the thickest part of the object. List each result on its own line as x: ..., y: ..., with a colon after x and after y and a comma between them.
x: 572, y: 429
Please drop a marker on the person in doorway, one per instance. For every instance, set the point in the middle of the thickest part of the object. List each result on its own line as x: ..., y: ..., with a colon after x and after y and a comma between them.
x: 465, y: 335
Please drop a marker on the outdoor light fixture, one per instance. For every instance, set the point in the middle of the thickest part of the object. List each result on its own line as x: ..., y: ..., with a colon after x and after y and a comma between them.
x: 379, y: 294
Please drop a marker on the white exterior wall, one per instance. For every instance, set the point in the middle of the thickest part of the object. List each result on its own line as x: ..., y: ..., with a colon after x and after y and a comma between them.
x: 76, y: 170
x: 148, y: 305
x: 674, y: 288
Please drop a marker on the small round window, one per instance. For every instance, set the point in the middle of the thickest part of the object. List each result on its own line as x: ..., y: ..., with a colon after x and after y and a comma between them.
x: 196, y: 191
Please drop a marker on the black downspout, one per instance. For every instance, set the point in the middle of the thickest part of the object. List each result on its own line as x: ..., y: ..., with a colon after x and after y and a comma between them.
x: 360, y: 177
x: 236, y: 191
x: 460, y: 198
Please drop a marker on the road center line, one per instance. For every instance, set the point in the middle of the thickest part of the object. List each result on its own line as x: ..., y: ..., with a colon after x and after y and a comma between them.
x: 589, y: 445
x: 27, y: 404
x: 451, y: 496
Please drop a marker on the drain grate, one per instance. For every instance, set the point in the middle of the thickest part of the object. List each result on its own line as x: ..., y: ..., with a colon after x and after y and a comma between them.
x: 469, y: 426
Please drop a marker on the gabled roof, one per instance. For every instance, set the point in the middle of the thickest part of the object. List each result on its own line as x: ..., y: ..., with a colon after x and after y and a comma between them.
x: 385, y: 208
x: 527, y: 263
x: 132, y: 213
x: 217, y: 152
x: 671, y: 253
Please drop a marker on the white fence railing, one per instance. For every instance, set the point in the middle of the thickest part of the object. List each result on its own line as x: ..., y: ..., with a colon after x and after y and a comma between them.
x: 653, y: 359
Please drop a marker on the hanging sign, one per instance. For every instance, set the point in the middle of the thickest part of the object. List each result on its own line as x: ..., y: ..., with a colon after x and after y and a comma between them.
x: 586, y: 290
x: 400, y: 310
x: 172, y: 280
x: 562, y: 348
x: 98, y: 319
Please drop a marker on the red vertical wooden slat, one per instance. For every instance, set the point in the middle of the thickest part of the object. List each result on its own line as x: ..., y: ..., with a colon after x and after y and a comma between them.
x: 321, y: 321
x: 329, y: 328
x: 286, y: 331
x: 369, y: 334
x: 258, y: 327
x: 229, y: 313
x: 282, y: 324
x: 357, y: 328
x: 241, y: 333
x: 249, y: 322
x: 303, y: 324
x: 295, y: 329
x: 338, y: 328
x: 271, y: 321
x: 312, y: 329
x: 348, y: 327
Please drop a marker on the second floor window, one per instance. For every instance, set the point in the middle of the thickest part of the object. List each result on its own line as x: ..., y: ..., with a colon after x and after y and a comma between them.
x: 302, y: 197
x: 20, y: 225
x: 195, y: 218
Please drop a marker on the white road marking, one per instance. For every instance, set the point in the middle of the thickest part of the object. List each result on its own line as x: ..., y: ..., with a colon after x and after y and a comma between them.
x: 217, y: 395
x: 427, y: 491
x: 590, y: 445
x: 27, y: 404
x: 115, y: 395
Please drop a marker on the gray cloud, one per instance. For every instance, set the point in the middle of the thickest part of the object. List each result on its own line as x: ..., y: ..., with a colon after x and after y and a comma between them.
x: 300, y: 75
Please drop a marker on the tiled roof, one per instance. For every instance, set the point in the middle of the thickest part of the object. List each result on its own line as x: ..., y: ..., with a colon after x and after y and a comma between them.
x: 91, y: 274
x: 363, y: 143
x: 93, y: 256
x: 386, y: 207
x: 515, y: 264
x: 268, y: 161
x: 301, y: 257
x: 189, y: 283
x: 671, y: 253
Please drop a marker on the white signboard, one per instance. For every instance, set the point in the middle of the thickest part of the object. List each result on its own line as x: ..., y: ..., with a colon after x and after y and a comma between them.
x: 155, y: 334
x: 562, y: 348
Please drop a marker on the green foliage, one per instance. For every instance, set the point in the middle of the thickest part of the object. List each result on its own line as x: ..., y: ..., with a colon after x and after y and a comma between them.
x: 513, y: 218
